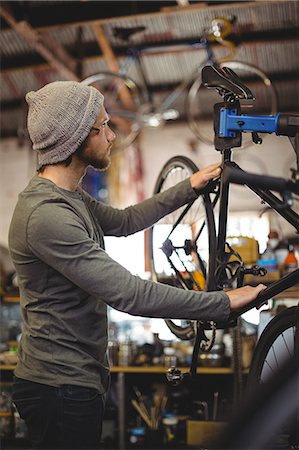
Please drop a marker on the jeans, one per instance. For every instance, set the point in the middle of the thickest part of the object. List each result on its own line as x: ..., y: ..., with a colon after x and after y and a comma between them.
x: 65, y: 417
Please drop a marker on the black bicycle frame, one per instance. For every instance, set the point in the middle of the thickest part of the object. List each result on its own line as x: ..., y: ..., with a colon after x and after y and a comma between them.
x: 275, y: 203
x: 268, y: 197
x: 227, y: 135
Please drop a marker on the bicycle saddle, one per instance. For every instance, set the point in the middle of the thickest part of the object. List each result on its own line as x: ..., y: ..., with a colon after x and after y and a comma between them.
x: 225, y: 81
x: 125, y: 33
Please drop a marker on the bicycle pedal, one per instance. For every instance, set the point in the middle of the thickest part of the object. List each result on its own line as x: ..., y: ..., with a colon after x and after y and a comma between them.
x: 258, y: 271
x: 174, y: 376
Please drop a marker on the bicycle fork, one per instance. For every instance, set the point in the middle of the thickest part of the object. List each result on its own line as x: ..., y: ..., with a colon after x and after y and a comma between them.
x: 221, y: 257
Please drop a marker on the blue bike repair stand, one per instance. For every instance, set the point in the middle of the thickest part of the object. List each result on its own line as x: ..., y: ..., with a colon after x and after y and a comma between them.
x: 229, y: 124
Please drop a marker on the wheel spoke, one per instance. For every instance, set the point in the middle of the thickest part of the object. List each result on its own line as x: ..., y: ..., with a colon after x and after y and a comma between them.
x: 275, y: 347
x: 273, y: 356
x: 175, y: 234
x: 123, y: 100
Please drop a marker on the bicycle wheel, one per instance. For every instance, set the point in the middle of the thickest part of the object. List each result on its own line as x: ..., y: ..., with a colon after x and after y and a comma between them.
x: 275, y: 346
x: 123, y: 99
x: 180, y: 244
x: 270, y: 409
x: 200, y: 101
x: 274, y: 352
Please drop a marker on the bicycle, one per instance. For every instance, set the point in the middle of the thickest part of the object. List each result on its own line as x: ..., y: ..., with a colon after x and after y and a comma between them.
x: 132, y: 106
x: 222, y: 267
x: 261, y: 421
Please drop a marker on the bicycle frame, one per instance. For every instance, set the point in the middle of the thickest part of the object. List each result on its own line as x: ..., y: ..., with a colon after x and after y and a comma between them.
x: 229, y: 125
x: 222, y: 256
x: 134, y: 55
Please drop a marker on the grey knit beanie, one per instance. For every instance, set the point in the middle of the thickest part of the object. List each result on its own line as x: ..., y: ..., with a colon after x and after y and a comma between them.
x: 60, y: 117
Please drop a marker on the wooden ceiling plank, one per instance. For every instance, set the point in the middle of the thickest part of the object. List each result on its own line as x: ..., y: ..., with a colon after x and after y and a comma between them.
x: 112, y: 63
x: 106, y: 48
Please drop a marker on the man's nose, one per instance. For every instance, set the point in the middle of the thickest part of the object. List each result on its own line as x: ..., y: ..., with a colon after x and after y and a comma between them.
x: 111, y: 135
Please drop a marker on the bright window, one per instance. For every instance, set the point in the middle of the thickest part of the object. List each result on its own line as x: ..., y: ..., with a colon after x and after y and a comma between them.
x: 249, y: 224
x: 129, y: 252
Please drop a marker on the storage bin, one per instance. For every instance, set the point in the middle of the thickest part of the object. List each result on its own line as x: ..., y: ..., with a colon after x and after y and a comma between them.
x: 203, y: 433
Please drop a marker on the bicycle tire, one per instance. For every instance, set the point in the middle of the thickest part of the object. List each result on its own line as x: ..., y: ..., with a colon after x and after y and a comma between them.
x: 270, y: 409
x: 197, y: 116
x: 177, y: 169
x: 278, y: 334
x: 273, y: 353
x: 123, y: 99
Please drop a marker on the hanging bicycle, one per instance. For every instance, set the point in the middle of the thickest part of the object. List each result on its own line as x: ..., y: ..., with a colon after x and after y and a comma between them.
x: 132, y: 105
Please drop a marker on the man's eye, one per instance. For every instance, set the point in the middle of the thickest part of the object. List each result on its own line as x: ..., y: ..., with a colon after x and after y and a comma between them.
x: 100, y: 127
x: 97, y: 130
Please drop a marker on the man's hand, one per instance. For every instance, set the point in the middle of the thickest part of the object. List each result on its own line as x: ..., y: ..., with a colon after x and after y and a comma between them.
x: 201, y: 178
x: 246, y: 294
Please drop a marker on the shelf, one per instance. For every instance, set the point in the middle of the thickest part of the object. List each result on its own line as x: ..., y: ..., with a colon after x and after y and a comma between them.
x: 11, y: 298
x: 161, y: 369
x: 292, y: 292
x: 5, y: 414
x: 7, y: 366
x: 151, y: 369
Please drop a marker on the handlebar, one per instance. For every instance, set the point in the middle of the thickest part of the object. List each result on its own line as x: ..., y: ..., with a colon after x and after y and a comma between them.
x: 238, y: 176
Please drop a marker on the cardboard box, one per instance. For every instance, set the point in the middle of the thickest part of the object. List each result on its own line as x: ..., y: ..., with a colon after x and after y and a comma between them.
x: 203, y: 433
x: 246, y: 247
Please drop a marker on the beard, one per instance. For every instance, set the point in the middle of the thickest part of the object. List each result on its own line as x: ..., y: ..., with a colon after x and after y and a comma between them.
x: 100, y: 163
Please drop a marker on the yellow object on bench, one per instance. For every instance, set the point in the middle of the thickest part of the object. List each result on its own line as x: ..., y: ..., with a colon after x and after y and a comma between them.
x: 246, y: 247
x: 203, y: 433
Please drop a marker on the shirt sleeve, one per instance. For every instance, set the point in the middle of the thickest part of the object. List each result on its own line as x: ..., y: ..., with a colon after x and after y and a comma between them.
x: 57, y: 236
x: 123, y: 222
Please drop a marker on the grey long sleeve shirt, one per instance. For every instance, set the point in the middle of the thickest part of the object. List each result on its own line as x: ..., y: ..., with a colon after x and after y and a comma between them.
x: 67, y: 280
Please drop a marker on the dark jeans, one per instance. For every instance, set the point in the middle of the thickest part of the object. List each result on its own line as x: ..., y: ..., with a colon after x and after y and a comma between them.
x: 66, y: 417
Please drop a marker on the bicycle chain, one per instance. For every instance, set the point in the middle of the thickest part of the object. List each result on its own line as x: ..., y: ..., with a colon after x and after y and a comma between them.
x: 206, y: 345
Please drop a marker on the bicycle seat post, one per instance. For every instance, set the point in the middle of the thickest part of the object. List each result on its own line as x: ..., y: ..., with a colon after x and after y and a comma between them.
x: 221, y: 142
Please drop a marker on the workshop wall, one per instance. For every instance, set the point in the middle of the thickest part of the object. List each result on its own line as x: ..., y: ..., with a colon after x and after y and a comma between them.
x: 274, y: 157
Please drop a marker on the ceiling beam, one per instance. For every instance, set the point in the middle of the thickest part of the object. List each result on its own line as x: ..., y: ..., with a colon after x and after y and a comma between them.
x: 49, y: 49
x: 106, y: 49
x: 112, y: 63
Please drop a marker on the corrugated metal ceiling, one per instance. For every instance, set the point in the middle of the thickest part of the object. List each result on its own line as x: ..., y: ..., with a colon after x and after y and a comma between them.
x: 268, y: 28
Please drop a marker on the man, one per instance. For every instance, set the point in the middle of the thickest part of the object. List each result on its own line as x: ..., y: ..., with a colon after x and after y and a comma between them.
x: 67, y: 280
